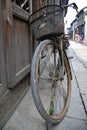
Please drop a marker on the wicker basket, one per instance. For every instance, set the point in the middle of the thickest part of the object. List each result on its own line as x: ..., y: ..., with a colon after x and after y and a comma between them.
x: 47, y: 21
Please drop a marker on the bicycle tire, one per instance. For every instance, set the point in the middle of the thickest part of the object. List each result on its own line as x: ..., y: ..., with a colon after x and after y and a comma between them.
x: 38, y: 85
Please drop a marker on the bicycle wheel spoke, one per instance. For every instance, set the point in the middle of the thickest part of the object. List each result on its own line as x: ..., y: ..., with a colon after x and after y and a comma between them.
x: 60, y: 94
x: 47, y: 81
x: 45, y: 78
x: 51, y: 83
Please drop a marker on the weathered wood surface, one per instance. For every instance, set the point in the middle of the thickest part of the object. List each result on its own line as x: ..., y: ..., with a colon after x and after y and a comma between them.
x: 16, y: 50
x: 15, y: 57
x: 10, y: 99
x: 17, y: 53
x: 17, y: 11
x: 2, y: 58
x: 0, y: 16
x: 19, y: 76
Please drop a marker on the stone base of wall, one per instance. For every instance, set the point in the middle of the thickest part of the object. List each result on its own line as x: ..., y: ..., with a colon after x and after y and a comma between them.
x: 11, y: 98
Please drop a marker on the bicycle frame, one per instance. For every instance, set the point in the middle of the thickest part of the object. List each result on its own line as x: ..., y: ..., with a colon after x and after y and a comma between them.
x: 59, y: 41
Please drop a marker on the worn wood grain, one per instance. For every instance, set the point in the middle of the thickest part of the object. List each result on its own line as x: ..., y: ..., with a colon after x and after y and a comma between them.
x: 19, y: 12
x: 10, y: 99
x: 0, y: 15
x: 16, y: 50
x: 19, y: 76
x: 3, y: 80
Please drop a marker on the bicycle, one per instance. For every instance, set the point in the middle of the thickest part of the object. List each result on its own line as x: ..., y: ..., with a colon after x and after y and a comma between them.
x: 50, y: 71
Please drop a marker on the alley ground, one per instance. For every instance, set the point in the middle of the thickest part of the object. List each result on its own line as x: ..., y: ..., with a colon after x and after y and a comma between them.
x: 26, y: 116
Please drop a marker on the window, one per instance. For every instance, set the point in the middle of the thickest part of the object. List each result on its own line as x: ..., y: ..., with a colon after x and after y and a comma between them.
x: 24, y: 4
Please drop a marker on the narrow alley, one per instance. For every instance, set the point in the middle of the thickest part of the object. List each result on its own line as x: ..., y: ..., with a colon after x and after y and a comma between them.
x: 26, y: 116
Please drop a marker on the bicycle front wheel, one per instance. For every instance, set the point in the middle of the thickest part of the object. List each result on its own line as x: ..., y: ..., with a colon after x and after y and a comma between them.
x: 50, y: 82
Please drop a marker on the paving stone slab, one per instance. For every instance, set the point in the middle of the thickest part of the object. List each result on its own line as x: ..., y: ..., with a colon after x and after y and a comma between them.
x: 74, y: 90
x: 82, y: 81
x: 26, y: 116
x: 76, y: 110
x: 77, y: 66
x: 69, y: 124
x: 85, y: 100
x: 80, y: 69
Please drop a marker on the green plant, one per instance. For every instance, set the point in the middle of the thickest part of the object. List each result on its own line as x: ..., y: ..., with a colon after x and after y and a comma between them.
x: 51, y: 110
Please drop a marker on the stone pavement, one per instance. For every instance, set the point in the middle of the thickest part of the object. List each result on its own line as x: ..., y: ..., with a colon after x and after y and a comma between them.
x: 80, y: 70
x: 26, y: 116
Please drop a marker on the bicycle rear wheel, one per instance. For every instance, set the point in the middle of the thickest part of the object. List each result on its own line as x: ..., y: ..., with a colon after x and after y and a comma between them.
x: 50, y: 82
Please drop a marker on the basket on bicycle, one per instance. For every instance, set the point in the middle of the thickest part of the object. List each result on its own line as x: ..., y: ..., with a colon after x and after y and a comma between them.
x: 47, y: 21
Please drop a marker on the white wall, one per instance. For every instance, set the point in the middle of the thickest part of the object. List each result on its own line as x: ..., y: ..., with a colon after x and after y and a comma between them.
x: 85, y: 40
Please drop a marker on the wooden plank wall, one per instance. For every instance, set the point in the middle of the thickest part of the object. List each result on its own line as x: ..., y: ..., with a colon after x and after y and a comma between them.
x: 16, y: 50
x: 15, y: 57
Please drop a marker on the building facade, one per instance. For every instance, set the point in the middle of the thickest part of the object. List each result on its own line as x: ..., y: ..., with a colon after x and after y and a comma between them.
x: 85, y: 29
x: 79, y: 27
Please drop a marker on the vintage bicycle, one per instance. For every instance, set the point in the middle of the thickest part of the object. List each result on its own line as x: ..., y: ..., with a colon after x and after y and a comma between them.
x: 50, y: 71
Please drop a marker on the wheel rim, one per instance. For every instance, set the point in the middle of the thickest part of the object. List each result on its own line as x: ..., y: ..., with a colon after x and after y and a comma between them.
x: 53, y: 91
